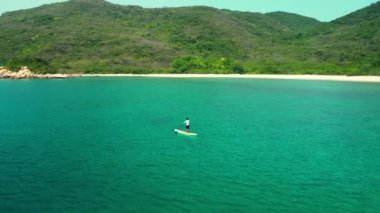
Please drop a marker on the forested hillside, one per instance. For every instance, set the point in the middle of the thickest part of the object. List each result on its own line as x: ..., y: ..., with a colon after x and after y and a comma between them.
x: 95, y: 36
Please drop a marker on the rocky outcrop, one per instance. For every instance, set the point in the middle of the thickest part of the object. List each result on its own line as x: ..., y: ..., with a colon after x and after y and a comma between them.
x: 25, y: 73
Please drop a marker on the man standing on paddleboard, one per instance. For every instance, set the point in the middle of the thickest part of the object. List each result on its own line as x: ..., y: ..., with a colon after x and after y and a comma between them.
x: 187, y: 123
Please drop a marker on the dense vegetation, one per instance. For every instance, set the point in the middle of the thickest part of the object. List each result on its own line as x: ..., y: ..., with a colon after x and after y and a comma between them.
x: 94, y: 36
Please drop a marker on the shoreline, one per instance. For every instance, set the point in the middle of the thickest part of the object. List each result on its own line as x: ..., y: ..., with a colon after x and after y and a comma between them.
x: 25, y: 73
x: 370, y: 79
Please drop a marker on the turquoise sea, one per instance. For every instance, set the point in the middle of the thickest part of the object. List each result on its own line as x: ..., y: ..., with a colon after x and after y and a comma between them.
x: 108, y: 145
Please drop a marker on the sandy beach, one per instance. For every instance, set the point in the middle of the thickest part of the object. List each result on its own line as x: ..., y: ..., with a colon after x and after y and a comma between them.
x: 373, y: 79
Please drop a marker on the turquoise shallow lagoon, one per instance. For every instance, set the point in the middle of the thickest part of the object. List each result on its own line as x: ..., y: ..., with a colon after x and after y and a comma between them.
x: 107, y: 145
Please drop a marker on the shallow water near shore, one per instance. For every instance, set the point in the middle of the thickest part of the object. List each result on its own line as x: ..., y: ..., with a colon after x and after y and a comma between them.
x: 107, y: 144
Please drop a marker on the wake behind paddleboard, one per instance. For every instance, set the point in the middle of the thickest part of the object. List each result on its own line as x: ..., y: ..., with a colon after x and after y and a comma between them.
x: 185, y: 132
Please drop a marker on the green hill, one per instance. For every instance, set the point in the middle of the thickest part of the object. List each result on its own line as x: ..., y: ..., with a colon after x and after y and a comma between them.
x: 295, y: 22
x: 96, y: 37
x: 350, y: 41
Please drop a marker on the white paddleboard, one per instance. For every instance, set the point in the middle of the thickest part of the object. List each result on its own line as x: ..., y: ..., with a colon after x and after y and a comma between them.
x: 182, y: 132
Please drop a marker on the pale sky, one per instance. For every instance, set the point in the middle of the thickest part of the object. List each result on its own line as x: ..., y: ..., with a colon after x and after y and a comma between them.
x: 323, y: 10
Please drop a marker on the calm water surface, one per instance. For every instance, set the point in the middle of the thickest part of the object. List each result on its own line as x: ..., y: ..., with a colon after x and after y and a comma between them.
x: 107, y: 145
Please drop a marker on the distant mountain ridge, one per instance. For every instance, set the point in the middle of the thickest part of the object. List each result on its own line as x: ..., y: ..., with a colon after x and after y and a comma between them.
x: 95, y: 36
x: 295, y: 21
